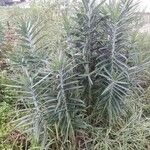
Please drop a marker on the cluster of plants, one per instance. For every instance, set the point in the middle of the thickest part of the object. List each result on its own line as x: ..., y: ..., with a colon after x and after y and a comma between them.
x: 78, y: 74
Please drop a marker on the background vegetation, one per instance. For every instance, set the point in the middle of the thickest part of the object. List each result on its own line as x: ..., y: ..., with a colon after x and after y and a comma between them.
x: 74, y: 77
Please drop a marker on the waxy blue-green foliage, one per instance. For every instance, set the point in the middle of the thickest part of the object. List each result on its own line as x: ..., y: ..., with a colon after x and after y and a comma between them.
x: 70, y: 92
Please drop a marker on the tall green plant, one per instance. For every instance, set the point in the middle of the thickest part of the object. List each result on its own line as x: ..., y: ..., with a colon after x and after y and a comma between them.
x: 48, y: 88
x: 64, y: 90
x: 101, y: 39
x: 114, y: 67
x: 87, y: 38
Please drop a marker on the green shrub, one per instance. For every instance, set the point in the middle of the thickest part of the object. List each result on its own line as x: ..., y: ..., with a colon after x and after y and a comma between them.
x: 74, y: 96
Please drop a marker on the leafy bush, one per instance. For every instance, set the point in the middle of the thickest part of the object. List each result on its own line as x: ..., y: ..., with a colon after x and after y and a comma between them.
x: 74, y: 96
x: 102, y: 41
